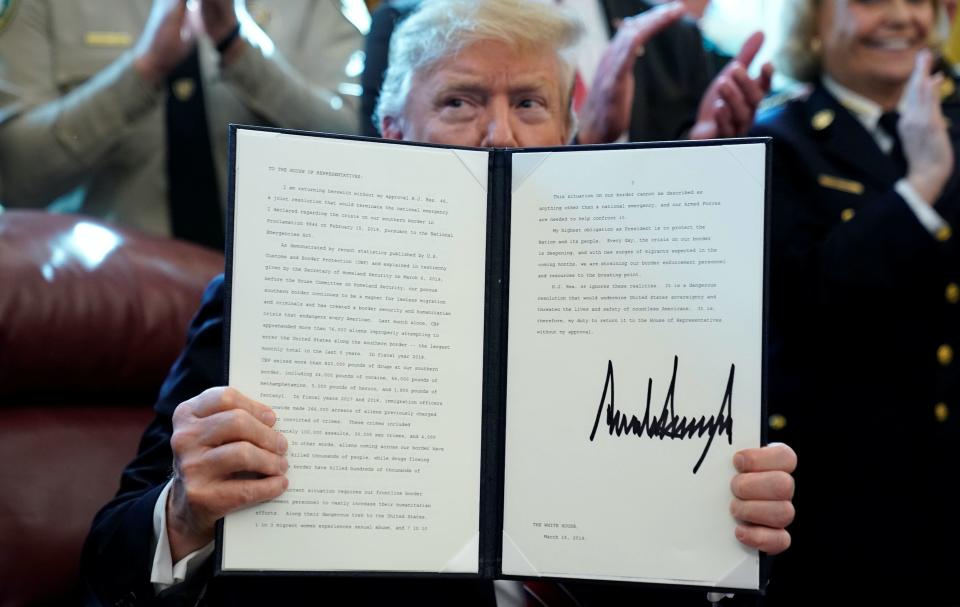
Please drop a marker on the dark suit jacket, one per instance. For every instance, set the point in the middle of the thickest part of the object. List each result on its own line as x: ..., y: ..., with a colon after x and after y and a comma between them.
x: 671, y: 77
x: 859, y: 310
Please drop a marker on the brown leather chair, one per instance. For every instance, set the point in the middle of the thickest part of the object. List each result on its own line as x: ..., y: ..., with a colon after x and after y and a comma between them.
x: 91, y: 317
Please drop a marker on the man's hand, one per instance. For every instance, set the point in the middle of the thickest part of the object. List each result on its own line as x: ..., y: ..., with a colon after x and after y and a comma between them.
x: 763, y: 494
x: 923, y: 132
x: 226, y: 456
x: 166, y: 40
x: 606, y: 112
x: 219, y: 17
x: 730, y: 102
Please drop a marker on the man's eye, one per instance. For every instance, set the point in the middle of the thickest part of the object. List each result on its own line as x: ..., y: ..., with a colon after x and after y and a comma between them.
x: 529, y: 104
x: 455, y: 102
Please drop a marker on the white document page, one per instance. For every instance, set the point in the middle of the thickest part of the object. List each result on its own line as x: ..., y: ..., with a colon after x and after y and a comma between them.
x: 357, y: 314
x: 635, y: 349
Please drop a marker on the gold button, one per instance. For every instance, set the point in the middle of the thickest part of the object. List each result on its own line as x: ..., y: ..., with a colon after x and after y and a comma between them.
x: 953, y: 293
x: 944, y: 234
x: 822, y: 119
x: 777, y: 422
x: 183, y: 88
x: 945, y: 355
x: 847, y: 214
x: 941, y: 411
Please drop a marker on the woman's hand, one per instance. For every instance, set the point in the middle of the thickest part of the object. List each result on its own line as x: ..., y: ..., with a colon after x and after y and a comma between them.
x: 923, y: 132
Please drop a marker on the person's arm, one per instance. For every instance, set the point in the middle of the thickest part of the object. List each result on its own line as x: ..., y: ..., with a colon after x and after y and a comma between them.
x: 923, y: 130
x: 816, y: 256
x: 814, y: 252
x: 50, y: 142
x: 606, y: 112
x: 166, y: 573
x: 265, y: 81
x: 730, y: 103
x: 118, y: 555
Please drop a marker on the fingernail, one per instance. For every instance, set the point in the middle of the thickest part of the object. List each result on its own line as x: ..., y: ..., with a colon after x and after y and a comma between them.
x: 268, y: 417
x: 739, y: 461
x: 740, y: 532
x: 281, y: 444
x: 286, y: 465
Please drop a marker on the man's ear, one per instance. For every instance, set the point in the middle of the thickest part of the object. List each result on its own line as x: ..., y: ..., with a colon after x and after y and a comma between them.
x: 390, y: 128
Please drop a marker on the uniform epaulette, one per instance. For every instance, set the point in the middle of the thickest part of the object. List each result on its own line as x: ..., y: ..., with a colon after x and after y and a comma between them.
x: 781, y: 97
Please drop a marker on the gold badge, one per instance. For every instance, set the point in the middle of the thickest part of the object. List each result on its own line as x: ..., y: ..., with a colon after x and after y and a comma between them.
x: 108, y: 39
x: 941, y: 412
x: 183, y: 88
x: 777, y: 422
x: 822, y: 119
x: 7, y: 9
x: 847, y: 214
x: 843, y: 185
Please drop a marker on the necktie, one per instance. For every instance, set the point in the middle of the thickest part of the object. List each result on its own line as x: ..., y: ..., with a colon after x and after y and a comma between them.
x: 192, y: 191
x: 888, y: 122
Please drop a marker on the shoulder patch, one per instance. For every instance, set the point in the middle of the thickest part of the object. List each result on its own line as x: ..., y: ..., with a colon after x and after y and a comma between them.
x: 7, y: 9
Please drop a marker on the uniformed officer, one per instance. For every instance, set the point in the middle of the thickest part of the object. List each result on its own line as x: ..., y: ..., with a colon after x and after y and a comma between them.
x: 129, y: 101
x: 865, y: 303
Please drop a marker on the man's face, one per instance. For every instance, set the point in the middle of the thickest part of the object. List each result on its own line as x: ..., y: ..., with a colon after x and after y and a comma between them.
x: 487, y: 95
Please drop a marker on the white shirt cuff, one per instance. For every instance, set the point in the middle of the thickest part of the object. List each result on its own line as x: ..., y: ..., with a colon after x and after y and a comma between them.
x: 926, y: 215
x: 509, y: 593
x: 165, y: 573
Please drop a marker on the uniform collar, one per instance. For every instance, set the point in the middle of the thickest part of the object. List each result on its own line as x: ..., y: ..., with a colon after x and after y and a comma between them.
x: 866, y: 111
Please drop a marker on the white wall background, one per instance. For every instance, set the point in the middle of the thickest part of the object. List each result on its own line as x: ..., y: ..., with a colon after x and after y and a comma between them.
x: 729, y: 22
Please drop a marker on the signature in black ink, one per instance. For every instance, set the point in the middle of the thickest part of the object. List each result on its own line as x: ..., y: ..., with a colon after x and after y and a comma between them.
x: 668, y: 424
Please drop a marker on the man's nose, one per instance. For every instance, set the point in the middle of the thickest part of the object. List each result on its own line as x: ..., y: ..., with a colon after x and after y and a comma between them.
x: 499, y: 131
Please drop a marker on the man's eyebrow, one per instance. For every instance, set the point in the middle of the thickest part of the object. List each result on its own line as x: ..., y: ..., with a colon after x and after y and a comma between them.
x: 533, y: 85
x: 464, y: 85
x: 467, y: 83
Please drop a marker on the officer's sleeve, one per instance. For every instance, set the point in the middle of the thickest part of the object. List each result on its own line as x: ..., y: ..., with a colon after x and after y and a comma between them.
x: 49, y: 141
x: 270, y: 87
x: 119, y: 552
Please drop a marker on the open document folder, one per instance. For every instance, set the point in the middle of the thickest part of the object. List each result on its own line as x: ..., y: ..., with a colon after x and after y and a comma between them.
x: 533, y: 363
